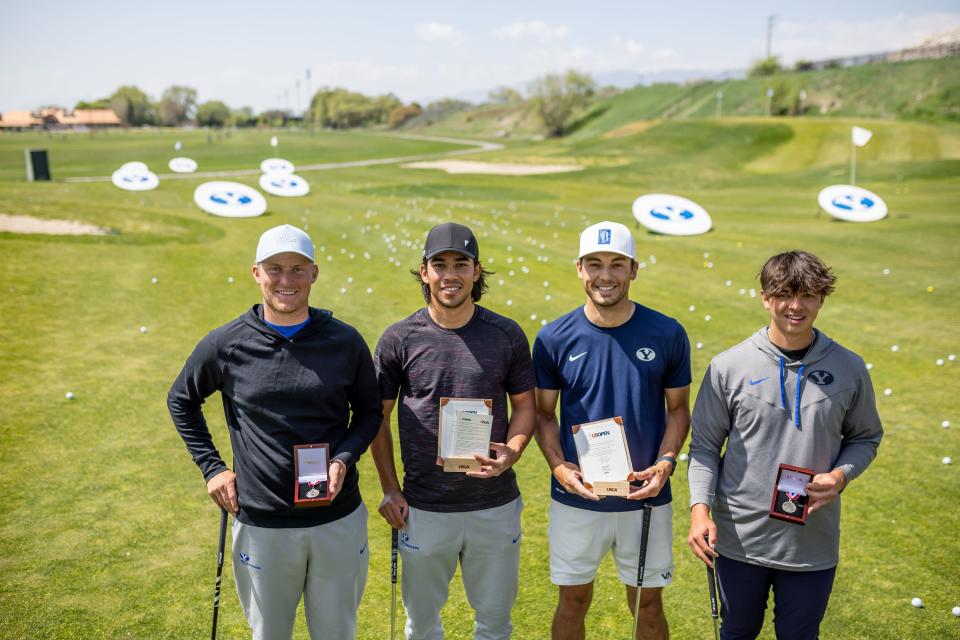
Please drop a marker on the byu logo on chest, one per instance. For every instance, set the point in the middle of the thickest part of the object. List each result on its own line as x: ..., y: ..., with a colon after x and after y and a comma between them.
x: 646, y: 354
x: 821, y: 377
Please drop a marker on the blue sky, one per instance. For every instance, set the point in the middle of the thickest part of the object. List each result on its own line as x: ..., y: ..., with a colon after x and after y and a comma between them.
x: 253, y: 53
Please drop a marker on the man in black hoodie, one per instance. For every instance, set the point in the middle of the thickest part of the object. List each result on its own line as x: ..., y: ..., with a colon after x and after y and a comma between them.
x: 288, y: 374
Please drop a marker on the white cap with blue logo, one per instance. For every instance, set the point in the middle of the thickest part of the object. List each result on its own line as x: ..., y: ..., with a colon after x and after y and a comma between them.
x: 608, y: 236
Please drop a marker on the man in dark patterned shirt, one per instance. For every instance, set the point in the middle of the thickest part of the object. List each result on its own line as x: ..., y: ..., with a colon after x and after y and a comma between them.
x: 454, y: 349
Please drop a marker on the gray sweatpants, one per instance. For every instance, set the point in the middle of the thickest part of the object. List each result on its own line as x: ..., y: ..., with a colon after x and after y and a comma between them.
x: 327, y: 564
x: 487, y: 545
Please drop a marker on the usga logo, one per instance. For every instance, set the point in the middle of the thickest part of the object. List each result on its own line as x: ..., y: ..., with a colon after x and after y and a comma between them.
x: 599, y: 434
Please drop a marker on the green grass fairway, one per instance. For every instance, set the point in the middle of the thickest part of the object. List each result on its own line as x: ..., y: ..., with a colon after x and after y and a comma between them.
x: 105, y: 527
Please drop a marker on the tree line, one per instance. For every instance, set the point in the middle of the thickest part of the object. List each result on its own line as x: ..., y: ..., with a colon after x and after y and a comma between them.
x: 555, y: 98
x: 329, y: 108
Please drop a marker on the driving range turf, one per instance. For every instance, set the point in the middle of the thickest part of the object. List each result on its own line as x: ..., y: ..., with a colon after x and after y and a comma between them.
x: 105, y: 527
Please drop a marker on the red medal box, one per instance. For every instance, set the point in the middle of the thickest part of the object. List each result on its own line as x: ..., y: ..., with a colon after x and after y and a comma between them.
x: 790, y: 495
x: 311, y: 463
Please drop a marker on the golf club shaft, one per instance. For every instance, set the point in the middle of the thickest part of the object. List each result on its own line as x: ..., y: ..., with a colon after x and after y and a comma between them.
x: 393, y: 583
x: 712, y: 582
x: 216, y: 592
x: 644, y: 536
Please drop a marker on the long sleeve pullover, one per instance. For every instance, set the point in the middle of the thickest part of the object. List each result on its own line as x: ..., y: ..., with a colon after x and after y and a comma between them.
x: 317, y: 387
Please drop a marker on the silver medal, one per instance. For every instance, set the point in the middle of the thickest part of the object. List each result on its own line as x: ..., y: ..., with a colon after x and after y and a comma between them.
x: 788, y: 507
x: 313, y: 493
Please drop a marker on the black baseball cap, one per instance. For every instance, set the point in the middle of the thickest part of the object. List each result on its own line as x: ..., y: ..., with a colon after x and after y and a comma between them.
x: 451, y: 236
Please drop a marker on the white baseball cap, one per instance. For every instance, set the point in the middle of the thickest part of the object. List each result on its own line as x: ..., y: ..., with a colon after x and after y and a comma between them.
x: 283, y: 239
x: 608, y: 236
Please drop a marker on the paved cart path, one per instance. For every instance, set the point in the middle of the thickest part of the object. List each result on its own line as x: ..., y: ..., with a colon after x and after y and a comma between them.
x: 475, y: 146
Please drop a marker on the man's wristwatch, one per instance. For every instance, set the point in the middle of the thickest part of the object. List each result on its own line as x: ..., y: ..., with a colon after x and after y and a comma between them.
x: 670, y: 459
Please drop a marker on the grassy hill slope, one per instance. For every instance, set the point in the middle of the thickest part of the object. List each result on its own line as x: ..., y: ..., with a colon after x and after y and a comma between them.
x: 918, y: 90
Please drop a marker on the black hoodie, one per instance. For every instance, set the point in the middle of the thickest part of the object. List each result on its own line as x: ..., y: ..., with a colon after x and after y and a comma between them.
x: 279, y: 392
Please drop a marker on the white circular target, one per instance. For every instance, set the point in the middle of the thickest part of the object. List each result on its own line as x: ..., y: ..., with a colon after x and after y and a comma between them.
x: 276, y: 165
x: 671, y: 215
x: 182, y: 165
x: 132, y: 179
x: 853, y: 204
x: 136, y: 165
x: 286, y: 185
x: 230, y: 199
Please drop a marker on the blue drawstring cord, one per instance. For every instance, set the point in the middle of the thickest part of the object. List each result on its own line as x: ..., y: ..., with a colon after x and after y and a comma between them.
x: 783, y: 385
x: 796, y: 407
x: 783, y: 391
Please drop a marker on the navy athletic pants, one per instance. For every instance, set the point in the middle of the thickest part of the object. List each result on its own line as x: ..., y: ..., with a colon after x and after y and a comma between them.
x: 799, y: 600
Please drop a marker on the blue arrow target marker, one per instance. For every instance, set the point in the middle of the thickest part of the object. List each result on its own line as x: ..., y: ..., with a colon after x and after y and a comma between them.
x: 229, y: 197
x: 667, y: 212
x: 849, y: 203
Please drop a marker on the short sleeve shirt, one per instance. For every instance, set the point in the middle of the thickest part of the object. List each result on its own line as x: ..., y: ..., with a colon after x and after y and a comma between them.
x: 605, y: 372
x: 421, y: 362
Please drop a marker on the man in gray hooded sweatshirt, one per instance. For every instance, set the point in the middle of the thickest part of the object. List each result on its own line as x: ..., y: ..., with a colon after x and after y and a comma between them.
x: 786, y: 395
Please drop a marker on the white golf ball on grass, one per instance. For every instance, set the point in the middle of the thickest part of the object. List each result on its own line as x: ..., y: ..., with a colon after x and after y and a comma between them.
x: 917, y: 602
x: 956, y: 611
x: 69, y: 395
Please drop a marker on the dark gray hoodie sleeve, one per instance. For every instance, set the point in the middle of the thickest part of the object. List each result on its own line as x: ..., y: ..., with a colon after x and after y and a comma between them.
x: 861, y: 430
x: 200, y: 377
x: 710, y: 428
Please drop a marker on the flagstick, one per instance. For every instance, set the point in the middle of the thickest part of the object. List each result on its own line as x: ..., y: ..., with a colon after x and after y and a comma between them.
x: 853, y: 163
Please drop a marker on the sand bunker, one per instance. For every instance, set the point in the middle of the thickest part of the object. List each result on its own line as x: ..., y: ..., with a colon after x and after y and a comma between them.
x: 29, y: 224
x: 492, y: 168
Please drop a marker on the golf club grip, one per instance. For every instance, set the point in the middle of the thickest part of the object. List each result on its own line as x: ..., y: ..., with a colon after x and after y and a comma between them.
x: 644, y: 535
x: 393, y: 556
x: 712, y: 581
x: 216, y: 593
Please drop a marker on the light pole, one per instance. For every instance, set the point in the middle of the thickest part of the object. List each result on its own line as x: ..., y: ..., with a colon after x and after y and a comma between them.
x: 770, y: 21
x: 769, y: 101
x: 719, y: 104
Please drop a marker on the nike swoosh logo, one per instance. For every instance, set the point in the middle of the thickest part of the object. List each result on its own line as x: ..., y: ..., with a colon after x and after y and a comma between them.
x: 753, y: 382
x: 577, y: 357
x: 517, y: 538
x: 363, y: 548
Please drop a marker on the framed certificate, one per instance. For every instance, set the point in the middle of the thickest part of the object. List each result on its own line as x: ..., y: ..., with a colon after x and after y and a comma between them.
x: 465, y: 426
x: 604, y: 456
x: 310, y: 465
x: 790, y: 494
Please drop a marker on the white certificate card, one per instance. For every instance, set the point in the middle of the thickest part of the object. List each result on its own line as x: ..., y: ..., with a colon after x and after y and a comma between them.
x: 465, y: 426
x: 604, y: 456
x: 472, y: 435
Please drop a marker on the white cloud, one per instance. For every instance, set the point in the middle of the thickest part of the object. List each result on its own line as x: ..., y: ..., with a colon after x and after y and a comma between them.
x: 627, y: 47
x: 825, y: 38
x: 664, y: 54
x: 440, y: 33
x: 534, y: 29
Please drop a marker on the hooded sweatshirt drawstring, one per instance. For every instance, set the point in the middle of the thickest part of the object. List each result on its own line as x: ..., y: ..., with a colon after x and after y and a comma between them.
x: 783, y: 385
x: 796, y: 406
x: 783, y: 391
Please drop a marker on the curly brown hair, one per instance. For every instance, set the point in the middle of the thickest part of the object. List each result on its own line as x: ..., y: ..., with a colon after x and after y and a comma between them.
x: 796, y: 272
